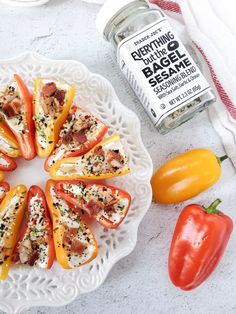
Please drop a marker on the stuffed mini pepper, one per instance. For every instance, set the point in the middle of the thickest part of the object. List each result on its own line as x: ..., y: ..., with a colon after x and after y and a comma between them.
x: 81, y: 132
x: 51, y: 104
x: 35, y: 246
x: 106, y: 160
x: 108, y: 205
x: 16, y: 110
x: 11, y: 213
x: 74, y: 242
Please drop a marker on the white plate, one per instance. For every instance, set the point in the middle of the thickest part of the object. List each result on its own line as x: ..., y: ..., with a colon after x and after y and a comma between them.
x: 24, y: 3
x: 27, y: 287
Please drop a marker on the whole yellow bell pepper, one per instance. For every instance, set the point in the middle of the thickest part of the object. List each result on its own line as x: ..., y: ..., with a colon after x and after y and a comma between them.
x: 11, y: 213
x: 48, y: 125
x: 185, y: 176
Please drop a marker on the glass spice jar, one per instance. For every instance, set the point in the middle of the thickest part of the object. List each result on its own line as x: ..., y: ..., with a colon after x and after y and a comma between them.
x: 156, y: 64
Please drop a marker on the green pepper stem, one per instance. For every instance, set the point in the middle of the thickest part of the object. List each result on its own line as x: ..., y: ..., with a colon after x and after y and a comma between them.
x: 221, y: 159
x: 212, y: 209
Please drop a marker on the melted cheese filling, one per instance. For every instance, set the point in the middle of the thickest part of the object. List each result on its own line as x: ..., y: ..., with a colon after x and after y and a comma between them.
x: 17, y: 123
x: 57, y: 155
x: 3, y: 162
x: 6, y: 147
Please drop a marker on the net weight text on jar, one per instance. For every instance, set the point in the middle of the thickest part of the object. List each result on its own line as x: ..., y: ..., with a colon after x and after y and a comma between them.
x: 187, y: 93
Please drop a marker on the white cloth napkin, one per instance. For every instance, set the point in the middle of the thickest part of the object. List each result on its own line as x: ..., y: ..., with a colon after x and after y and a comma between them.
x: 209, y: 26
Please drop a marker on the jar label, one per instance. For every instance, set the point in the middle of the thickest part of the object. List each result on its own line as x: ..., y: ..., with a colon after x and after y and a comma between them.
x: 160, y: 70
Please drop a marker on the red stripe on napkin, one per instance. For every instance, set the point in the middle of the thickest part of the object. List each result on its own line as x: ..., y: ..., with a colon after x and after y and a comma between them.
x: 222, y: 93
x: 167, y: 5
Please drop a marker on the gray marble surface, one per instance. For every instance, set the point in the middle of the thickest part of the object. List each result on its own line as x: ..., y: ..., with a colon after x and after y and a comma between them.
x: 139, y: 283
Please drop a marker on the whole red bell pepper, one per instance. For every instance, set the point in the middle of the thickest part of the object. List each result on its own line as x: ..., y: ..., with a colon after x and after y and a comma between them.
x: 199, y: 241
x: 35, y: 246
x: 16, y: 110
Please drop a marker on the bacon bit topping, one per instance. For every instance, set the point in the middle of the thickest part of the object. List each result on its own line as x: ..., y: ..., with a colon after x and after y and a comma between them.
x: 15, y: 257
x: 91, y: 200
x: 77, y: 247
x: 80, y: 137
x: 66, y: 240
x: 48, y: 89
x: 67, y: 138
x: 33, y: 257
x: 60, y: 96
x: 11, y: 105
x: 24, y: 252
x: 10, y: 102
x: 104, y: 160
x: 52, y: 98
x: 110, y: 206
x: 99, y: 151
x: 94, y: 207
x: 108, y: 209
x: 69, y: 234
x: 113, y: 155
x: 114, y: 159
x: 73, y: 232
x: 71, y: 242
